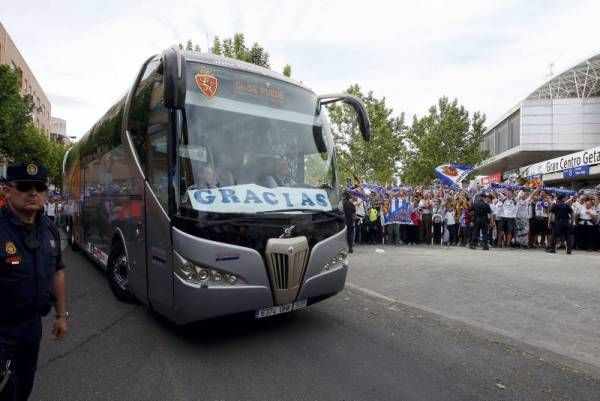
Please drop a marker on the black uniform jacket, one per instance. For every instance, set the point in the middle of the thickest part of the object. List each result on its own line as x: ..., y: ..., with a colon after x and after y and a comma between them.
x: 27, y: 267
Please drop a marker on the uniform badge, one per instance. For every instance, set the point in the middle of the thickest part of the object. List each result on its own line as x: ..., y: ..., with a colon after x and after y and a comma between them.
x: 32, y: 169
x: 10, y: 248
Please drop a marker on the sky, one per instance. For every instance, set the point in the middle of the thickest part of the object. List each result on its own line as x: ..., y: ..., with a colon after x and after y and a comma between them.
x: 487, y: 54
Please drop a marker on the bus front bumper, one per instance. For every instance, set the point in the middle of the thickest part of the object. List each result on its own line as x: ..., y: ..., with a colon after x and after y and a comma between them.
x: 195, y: 303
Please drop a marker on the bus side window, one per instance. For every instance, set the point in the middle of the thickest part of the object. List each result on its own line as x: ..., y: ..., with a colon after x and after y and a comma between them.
x: 137, y: 123
x: 156, y: 143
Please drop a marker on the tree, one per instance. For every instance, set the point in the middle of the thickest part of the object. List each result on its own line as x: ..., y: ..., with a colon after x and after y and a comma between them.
x: 287, y: 70
x: 376, y: 160
x: 236, y: 48
x: 15, y: 110
x: 216, y: 47
x: 20, y: 140
x: 257, y: 55
x: 240, y: 51
x: 446, y: 135
x: 228, y: 48
x: 197, y: 48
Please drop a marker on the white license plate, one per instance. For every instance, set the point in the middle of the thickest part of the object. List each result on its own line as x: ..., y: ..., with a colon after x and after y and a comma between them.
x: 279, y: 309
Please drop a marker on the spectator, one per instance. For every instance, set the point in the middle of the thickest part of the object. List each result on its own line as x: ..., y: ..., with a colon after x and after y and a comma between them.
x: 450, y: 222
x: 425, y: 211
x: 509, y: 210
x: 350, y: 215
x: 585, y: 220
x: 482, y: 214
x: 562, y: 215
x: 522, y: 218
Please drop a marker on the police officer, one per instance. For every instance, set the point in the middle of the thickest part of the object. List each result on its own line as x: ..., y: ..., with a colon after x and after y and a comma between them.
x: 350, y: 215
x: 563, y: 218
x: 31, y: 278
x: 482, y: 213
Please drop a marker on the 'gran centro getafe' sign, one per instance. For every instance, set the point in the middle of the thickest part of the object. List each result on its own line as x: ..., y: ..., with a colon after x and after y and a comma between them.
x: 584, y: 158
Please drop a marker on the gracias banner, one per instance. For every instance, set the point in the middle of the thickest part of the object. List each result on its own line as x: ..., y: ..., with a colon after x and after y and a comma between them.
x: 252, y: 198
x: 452, y: 174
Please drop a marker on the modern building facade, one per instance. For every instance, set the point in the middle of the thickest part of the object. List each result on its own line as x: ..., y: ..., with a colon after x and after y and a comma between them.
x: 10, y: 55
x: 560, y: 117
x: 58, y: 130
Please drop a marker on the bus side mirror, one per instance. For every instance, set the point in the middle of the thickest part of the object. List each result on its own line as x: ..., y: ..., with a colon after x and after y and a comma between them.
x: 359, y: 107
x: 174, y: 78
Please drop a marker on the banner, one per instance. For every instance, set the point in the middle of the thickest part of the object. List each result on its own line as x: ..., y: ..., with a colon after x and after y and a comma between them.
x: 252, y: 198
x: 488, y: 179
x: 398, y: 212
x: 452, y: 174
x: 567, y: 192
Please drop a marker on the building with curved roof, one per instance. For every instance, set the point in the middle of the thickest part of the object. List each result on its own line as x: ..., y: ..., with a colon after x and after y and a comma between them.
x: 561, y: 116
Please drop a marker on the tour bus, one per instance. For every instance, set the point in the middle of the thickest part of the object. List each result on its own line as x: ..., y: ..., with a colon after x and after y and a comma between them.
x: 211, y: 188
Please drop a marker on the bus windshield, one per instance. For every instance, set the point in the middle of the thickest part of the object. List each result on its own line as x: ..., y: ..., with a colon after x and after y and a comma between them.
x: 253, y: 144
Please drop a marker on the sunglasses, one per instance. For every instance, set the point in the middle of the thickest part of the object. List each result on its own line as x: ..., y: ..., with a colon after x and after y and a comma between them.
x: 25, y: 186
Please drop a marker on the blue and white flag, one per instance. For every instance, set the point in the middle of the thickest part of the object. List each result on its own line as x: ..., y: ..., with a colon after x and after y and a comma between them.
x: 453, y: 174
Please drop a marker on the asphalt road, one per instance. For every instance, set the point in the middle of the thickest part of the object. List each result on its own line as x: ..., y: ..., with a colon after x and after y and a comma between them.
x: 350, y: 347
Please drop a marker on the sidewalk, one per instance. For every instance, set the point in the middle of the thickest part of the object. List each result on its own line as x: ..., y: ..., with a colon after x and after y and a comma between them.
x: 548, y: 301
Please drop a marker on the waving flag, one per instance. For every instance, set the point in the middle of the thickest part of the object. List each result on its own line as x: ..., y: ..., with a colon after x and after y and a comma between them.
x: 452, y: 174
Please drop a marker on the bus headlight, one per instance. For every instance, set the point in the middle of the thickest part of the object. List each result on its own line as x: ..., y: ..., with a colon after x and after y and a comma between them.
x: 204, y: 275
x: 339, y: 260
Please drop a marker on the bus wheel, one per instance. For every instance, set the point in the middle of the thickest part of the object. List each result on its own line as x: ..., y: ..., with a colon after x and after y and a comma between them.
x: 117, y: 271
x: 71, y: 236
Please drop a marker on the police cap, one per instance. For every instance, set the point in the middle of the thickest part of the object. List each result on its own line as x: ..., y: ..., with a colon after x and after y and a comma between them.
x: 24, y: 171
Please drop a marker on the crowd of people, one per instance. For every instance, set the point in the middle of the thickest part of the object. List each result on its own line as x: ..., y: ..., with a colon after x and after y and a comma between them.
x: 495, y: 216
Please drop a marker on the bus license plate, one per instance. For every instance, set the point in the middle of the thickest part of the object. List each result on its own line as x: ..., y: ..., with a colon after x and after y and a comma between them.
x: 279, y: 309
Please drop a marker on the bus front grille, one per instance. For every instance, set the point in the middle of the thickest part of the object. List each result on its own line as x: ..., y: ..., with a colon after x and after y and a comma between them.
x: 286, y: 262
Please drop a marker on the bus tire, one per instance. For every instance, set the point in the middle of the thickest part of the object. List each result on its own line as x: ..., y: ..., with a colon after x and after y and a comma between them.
x: 71, y: 236
x: 117, y: 271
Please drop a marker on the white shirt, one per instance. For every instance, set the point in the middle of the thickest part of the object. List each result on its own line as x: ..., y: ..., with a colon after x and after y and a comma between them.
x: 50, y: 211
x: 523, y: 209
x: 509, y: 208
x: 499, y: 209
x: 586, y: 214
x: 541, y: 209
x: 449, y: 217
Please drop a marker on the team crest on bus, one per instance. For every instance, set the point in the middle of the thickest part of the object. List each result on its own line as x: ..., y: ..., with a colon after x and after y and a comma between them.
x: 208, y: 84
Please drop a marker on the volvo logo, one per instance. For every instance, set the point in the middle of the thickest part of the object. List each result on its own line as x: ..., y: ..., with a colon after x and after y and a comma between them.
x: 287, y: 232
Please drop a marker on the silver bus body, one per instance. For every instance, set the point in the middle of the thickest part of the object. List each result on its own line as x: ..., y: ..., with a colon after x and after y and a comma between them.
x: 123, y: 184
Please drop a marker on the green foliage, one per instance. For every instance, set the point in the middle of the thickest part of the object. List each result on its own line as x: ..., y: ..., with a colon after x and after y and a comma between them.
x: 240, y: 51
x: 446, y: 135
x: 287, y: 70
x: 15, y: 110
x: 376, y: 160
x: 216, y: 47
x: 236, y: 48
x: 189, y: 45
x: 228, y: 48
x: 20, y: 140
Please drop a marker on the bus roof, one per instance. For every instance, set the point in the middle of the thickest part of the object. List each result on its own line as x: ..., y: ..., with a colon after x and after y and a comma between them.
x: 221, y: 61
